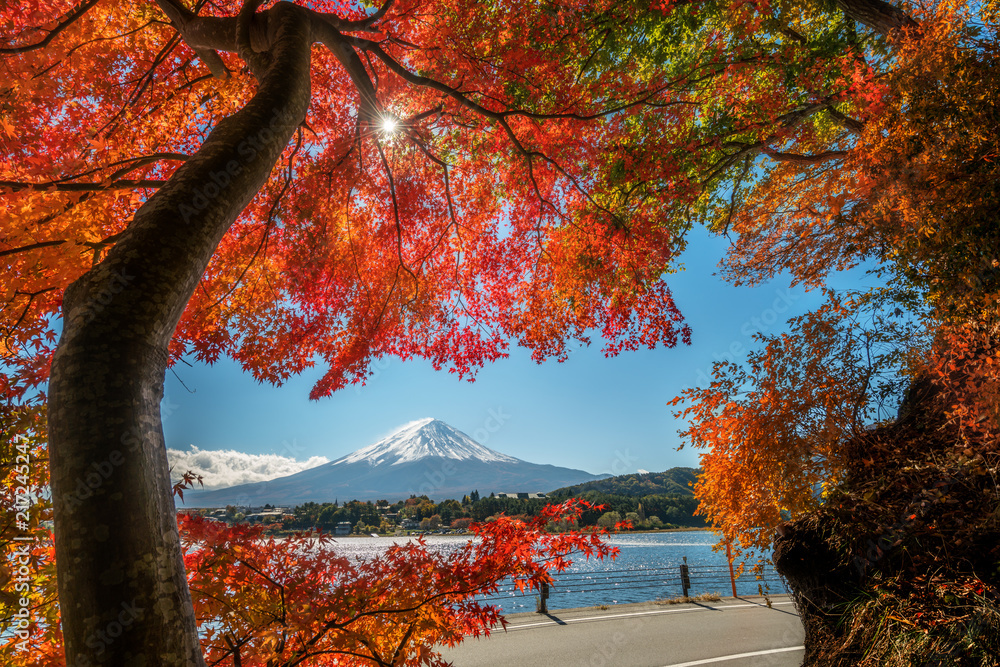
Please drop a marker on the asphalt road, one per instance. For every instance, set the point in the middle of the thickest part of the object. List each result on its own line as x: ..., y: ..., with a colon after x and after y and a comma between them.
x: 736, y: 632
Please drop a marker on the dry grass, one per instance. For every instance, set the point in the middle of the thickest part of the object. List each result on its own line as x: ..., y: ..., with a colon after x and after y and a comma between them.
x: 889, y: 632
x: 703, y: 597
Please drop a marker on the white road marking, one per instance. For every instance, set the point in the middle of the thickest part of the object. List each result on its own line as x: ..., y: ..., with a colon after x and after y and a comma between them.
x: 736, y: 656
x: 640, y: 613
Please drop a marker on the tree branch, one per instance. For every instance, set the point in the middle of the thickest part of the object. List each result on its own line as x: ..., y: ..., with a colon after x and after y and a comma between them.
x: 818, y: 158
x: 132, y: 165
x: 33, y: 246
x: 181, y: 17
x: 463, y: 99
x: 788, y: 120
x: 399, y: 225
x: 854, y: 125
x: 362, y: 24
x: 9, y: 332
x: 70, y: 18
x: 878, y: 15
x: 345, y: 53
x: 256, y: 61
x: 402, y: 644
x: 54, y: 186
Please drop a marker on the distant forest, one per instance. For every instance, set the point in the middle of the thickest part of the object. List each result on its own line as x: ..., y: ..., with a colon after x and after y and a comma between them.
x: 676, y: 481
x: 648, y: 500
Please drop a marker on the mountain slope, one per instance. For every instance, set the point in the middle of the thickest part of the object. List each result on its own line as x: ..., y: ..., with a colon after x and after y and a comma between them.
x: 427, y: 457
x: 674, y: 481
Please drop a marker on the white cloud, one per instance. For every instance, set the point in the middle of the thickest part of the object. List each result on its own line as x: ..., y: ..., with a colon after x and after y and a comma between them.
x: 228, y: 467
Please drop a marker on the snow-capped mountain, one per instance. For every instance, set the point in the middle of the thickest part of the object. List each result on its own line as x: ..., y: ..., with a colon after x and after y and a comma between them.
x: 420, y: 439
x: 425, y: 457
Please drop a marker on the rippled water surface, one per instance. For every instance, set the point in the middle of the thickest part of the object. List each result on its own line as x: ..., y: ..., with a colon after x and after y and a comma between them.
x: 647, y: 568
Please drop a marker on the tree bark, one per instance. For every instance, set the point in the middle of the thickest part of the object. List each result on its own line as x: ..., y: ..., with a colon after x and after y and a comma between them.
x: 877, y: 15
x: 122, y: 587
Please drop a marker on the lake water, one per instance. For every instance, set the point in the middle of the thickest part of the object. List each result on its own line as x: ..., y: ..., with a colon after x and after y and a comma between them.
x: 647, y: 568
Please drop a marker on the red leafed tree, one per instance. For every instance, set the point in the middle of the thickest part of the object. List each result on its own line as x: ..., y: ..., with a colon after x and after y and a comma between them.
x: 307, y: 182
x: 265, y: 601
x: 389, y: 610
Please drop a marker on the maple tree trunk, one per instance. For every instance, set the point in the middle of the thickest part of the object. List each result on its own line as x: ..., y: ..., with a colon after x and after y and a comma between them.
x: 123, y: 593
x: 820, y: 583
x: 878, y: 15
x: 883, y: 567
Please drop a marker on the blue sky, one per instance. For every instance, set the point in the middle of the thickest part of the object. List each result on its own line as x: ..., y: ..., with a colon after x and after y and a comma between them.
x: 596, y: 414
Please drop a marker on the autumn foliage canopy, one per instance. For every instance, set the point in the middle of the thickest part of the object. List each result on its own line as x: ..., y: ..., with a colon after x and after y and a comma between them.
x: 450, y: 188
x: 513, y: 200
x: 457, y: 176
x: 915, y: 196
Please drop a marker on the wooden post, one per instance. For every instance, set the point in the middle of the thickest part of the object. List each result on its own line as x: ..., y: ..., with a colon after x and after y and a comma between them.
x: 543, y: 596
x: 685, y: 579
x: 729, y: 557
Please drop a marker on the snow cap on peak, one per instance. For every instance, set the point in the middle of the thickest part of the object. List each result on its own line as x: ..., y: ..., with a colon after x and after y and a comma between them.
x: 423, y: 438
x: 416, y: 423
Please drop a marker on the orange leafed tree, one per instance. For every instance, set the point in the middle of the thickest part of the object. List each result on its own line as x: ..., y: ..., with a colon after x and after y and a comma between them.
x: 860, y: 503
x: 916, y: 195
x: 915, y: 191
x: 773, y: 430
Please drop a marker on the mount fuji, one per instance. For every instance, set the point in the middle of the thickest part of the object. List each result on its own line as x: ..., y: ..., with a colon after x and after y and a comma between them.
x: 425, y: 457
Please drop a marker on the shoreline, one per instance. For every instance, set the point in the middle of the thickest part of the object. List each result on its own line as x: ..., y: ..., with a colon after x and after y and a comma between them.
x: 416, y: 533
